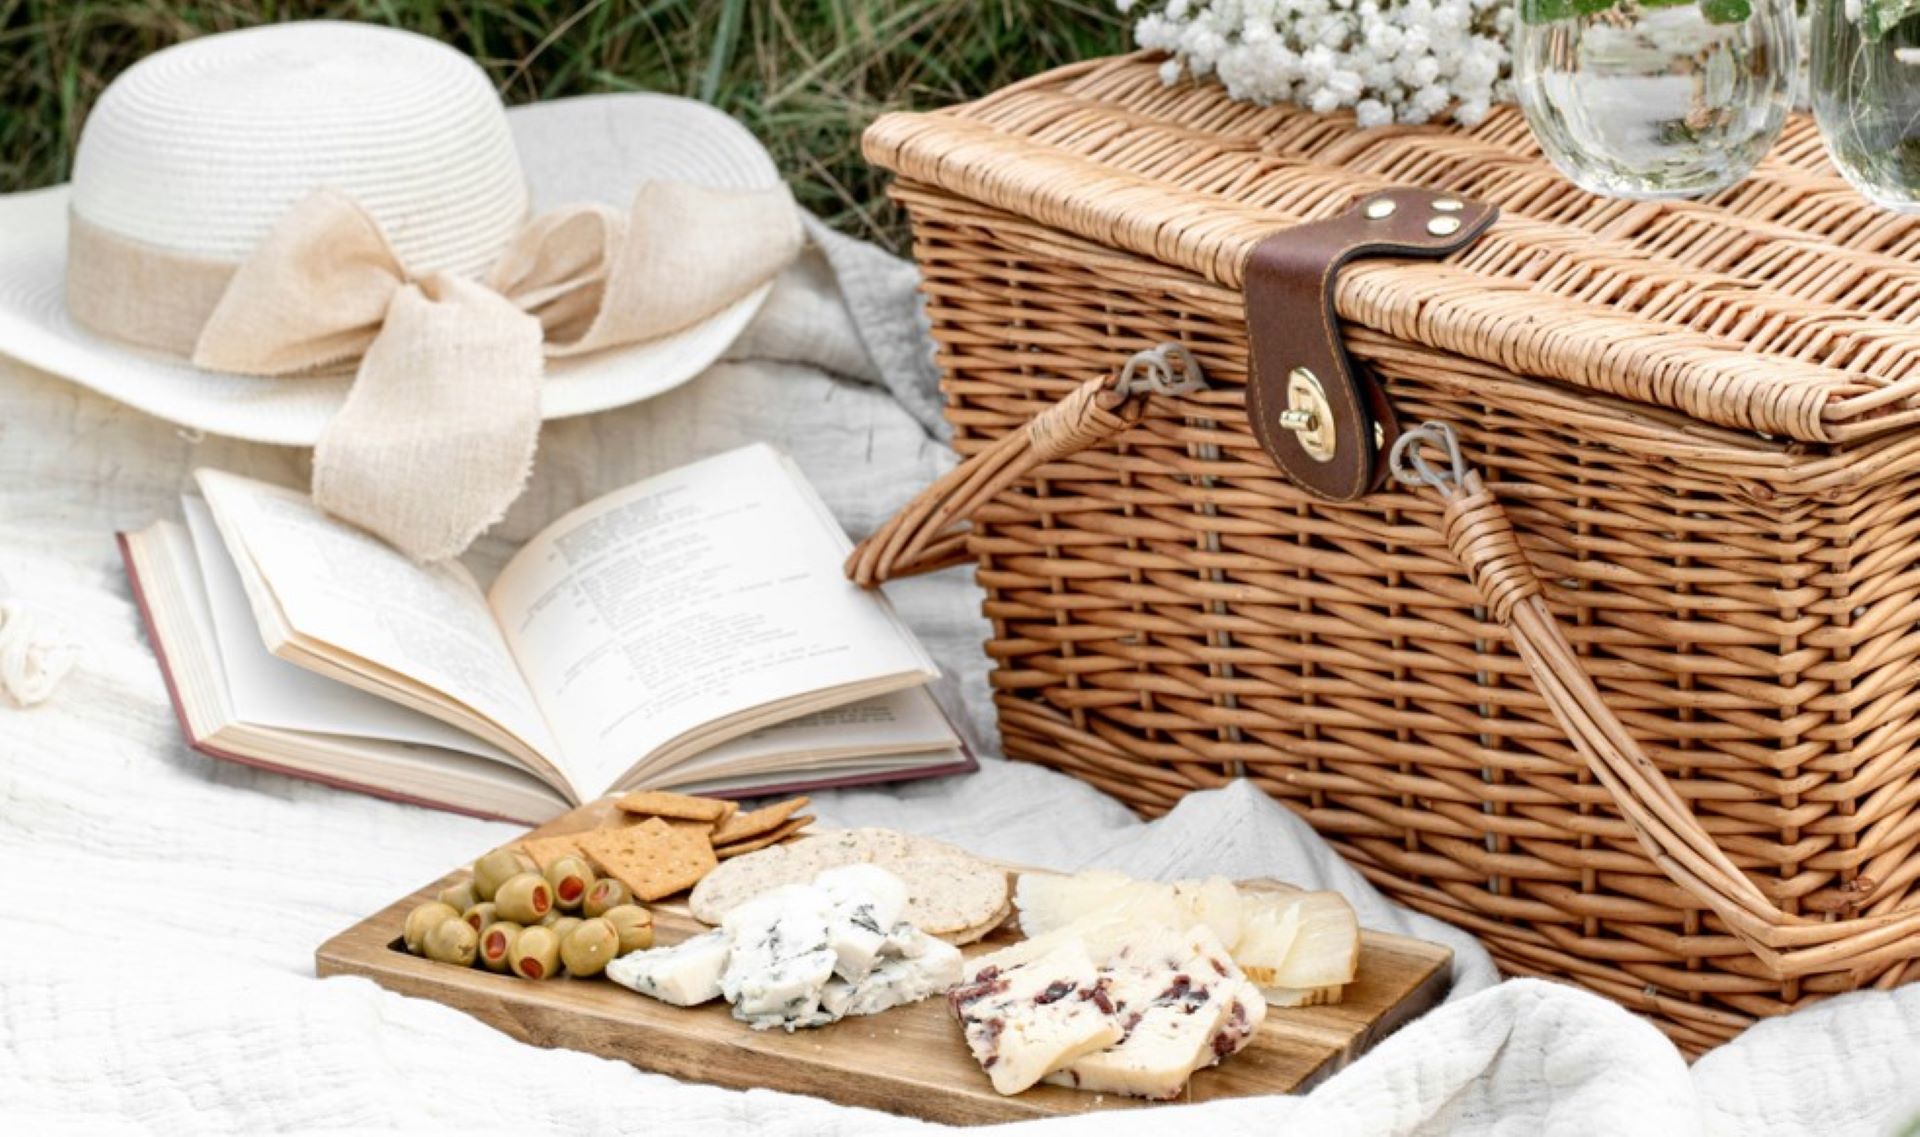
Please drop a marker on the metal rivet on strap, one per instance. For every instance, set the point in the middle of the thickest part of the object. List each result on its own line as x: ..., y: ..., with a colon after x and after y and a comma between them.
x: 1380, y: 210
x: 1444, y: 226
x: 1449, y: 205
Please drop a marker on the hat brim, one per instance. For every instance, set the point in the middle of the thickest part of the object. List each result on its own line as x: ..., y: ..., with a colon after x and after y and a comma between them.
x: 597, y: 148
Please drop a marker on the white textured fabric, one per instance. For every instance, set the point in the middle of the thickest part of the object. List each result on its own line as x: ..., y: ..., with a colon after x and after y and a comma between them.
x: 156, y: 967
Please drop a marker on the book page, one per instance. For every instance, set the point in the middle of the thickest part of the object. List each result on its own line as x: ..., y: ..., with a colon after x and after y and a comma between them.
x: 884, y: 727
x: 268, y: 691
x: 688, y: 598
x: 337, y: 586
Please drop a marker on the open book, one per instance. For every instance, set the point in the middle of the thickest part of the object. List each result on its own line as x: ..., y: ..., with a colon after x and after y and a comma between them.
x: 693, y: 632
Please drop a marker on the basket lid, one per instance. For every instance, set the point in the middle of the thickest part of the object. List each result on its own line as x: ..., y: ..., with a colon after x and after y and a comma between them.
x: 1785, y: 306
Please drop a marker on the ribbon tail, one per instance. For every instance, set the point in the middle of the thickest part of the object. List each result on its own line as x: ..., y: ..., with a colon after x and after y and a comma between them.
x: 683, y: 254
x: 437, y: 436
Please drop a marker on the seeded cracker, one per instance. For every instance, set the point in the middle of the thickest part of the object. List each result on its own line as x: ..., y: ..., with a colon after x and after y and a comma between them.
x: 742, y: 826
x: 653, y: 860
x: 752, y: 844
x: 684, y: 807
x: 546, y: 850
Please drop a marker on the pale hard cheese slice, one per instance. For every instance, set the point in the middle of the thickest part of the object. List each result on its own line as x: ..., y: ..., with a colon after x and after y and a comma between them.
x: 1028, y: 1021
x: 1184, y: 1007
x: 916, y: 967
x: 685, y: 974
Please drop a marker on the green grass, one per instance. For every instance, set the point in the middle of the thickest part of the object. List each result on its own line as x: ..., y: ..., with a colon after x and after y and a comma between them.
x: 805, y: 75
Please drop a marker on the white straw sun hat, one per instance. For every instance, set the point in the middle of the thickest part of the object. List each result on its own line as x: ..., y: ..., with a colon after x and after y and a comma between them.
x: 264, y: 221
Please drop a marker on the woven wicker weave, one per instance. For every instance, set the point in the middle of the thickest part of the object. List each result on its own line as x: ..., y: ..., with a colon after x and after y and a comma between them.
x: 1694, y: 413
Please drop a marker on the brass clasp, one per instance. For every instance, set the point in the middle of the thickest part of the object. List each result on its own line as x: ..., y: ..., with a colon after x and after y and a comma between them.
x: 1308, y: 415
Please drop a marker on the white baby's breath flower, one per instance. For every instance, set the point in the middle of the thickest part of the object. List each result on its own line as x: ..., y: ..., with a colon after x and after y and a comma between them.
x: 1390, y: 60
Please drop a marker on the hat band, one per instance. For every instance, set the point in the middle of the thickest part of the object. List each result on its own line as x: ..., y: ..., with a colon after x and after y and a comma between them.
x: 437, y: 434
x: 138, y: 293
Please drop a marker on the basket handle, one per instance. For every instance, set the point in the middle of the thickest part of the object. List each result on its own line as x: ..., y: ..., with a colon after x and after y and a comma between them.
x: 926, y: 535
x: 1476, y: 528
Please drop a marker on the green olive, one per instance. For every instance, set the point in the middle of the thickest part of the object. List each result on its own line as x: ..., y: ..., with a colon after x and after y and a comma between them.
x: 496, y: 945
x: 635, y: 925
x: 525, y: 899
x: 496, y: 868
x: 564, y: 925
x: 570, y: 877
x: 461, y: 896
x: 587, y: 948
x: 480, y: 915
x: 451, y: 941
x: 536, y: 953
x: 605, y: 893
x: 421, y: 920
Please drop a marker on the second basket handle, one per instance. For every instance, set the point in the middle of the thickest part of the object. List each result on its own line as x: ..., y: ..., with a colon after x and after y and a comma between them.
x: 927, y: 534
x: 1478, y: 532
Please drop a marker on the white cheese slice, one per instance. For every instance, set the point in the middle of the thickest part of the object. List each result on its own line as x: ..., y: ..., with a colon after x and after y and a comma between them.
x: 685, y: 974
x: 917, y: 966
x: 1184, y: 1006
x: 1034, y: 1018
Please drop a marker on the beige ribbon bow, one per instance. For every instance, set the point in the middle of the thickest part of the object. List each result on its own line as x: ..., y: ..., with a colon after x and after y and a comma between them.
x: 437, y: 435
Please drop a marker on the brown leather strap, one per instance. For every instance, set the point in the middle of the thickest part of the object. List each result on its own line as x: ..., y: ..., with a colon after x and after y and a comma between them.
x: 1295, y: 341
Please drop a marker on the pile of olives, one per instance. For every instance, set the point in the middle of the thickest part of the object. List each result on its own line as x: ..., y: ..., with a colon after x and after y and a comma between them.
x: 510, y: 916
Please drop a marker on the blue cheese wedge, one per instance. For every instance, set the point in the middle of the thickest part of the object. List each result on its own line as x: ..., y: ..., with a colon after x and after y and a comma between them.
x: 1184, y: 1006
x: 865, y: 903
x: 1033, y: 1018
x: 916, y: 966
x: 804, y: 955
x: 685, y: 974
x: 781, y: 958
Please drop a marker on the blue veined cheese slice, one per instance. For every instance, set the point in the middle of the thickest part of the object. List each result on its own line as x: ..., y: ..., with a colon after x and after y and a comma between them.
x: 1184, y: 1005
x: 914, y: 967
x: 1033, y: 1018
x: 685, y: 974
x: 865, y: 903
x: 781, y: 958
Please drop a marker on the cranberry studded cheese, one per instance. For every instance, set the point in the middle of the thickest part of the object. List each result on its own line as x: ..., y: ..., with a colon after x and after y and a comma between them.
x: 1184, y: 1007
x: 1032, y: 1019
x: 1163, y: 1004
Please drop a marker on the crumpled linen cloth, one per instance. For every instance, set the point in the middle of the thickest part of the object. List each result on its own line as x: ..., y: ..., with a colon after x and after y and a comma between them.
x: 162, y: 908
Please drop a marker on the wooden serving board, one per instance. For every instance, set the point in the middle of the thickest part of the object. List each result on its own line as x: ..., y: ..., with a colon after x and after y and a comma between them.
x: 909, y: 1060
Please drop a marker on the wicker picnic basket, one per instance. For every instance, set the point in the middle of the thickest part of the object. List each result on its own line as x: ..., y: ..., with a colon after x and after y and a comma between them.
x: 1629, y: 685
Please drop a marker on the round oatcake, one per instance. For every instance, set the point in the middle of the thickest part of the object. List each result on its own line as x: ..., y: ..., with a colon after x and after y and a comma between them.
x: 951, y: 893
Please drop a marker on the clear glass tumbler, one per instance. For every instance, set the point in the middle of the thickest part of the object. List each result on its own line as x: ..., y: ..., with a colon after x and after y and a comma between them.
x: 1652, y: 99
x: 1865, y: 91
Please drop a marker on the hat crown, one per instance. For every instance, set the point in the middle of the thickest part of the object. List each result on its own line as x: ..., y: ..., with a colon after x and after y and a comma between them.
x: 201, y: 148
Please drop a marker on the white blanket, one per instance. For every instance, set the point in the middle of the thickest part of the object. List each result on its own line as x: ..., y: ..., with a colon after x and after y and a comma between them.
x: 161, y: 909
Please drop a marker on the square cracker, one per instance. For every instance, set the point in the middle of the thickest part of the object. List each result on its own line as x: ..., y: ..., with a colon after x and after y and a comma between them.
x: 755, y: 843
x: 684, y: 807
x: 653, y: 859
x: 742, y: 826
x: 546, y: 850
